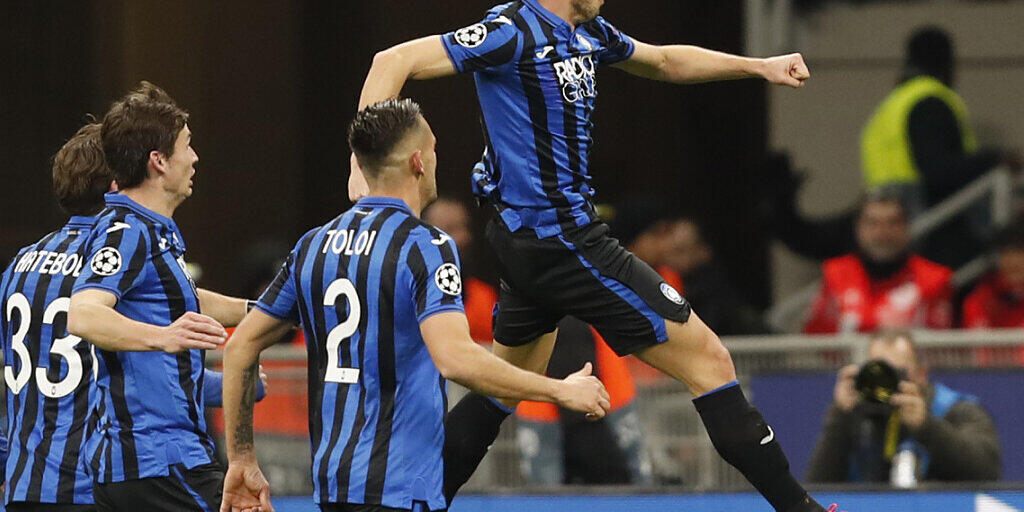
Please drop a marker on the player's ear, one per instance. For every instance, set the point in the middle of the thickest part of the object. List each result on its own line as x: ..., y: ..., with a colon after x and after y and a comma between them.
x: 416, y: 162
x: 113, y: 187
x: 157, y: 162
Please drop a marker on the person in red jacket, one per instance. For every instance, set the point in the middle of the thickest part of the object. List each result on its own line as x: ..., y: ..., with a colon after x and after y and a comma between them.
x: 998, y: 301
x: 882, y: 284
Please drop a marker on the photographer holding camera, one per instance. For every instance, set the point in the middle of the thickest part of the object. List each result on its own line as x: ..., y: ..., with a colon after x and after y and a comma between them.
x: 888, y: 423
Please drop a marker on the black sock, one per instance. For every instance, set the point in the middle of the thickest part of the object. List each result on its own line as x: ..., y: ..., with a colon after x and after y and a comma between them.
x: 745, y: 441
x: 470, y: 429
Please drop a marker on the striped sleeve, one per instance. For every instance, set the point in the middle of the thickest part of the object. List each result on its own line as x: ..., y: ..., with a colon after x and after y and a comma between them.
x: 617, y: 46
x: 436, y: 276
x: 488, y: 44
x: 280, y: 299
x: 117, y: 258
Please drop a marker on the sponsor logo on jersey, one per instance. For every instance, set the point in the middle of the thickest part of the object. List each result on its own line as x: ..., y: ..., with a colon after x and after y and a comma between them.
x: 578, y: 77
x: 117, y: 226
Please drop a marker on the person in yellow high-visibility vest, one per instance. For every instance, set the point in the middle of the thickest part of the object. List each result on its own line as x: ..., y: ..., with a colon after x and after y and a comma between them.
x: 919, y: 141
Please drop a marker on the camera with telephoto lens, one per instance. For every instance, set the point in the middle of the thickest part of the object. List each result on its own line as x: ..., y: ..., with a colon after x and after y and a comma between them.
x: 877, y: 381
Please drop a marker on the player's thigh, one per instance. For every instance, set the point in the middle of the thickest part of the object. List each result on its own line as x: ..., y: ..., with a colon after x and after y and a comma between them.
x: 693, y: 355
x: 28, y: 506
x: 620, y: 295
x: 533, y: 356
x: 198, y: 489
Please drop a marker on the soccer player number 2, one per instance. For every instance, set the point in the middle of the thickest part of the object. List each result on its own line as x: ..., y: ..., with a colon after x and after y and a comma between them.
x: 343, y: 331
x: 64, y: 347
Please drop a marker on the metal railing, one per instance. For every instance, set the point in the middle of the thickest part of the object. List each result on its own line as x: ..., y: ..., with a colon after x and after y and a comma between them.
x: 675, y: 442
x: 998, y: 186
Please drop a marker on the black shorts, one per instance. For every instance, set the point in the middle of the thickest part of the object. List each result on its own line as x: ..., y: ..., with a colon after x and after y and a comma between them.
x: 583, y: 273
x: 31, y: 506
x: 198, y: 489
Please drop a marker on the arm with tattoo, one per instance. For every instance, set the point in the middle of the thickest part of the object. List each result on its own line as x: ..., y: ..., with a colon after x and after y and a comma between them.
x: 245, y: 487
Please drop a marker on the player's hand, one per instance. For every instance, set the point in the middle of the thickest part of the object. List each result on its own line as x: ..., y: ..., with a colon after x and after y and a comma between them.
x: 845, y: 395
x: 357, y: 186
x: 245, y: 489
x: 191, y: 330
x: 913, y: 409
x: 583, y: 392
x: 786, y: 70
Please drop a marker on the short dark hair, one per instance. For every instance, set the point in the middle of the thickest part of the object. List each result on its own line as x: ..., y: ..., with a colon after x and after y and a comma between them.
x: 144, y: 120
x: 930, y: 49
x: 376, y: 130
x: 884, y: 195
x: 80, y: 173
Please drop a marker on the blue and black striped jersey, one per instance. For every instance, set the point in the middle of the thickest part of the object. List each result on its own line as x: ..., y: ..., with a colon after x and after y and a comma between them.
x: 150, y: 403
x: 48, y: 372
x: 360, y: 286
x: 536, y: 78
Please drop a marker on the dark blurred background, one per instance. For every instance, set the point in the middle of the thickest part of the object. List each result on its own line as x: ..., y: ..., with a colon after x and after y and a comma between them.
x: 271, y: 87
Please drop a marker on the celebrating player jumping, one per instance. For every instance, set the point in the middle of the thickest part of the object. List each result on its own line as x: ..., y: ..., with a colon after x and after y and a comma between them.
x: 535, y: 64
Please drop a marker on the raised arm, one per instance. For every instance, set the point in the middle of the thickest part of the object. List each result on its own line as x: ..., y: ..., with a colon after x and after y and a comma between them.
x: 419, y: 59
x: 92, y: 317
x: 244, y: 484
x: 229, y: 311
x: 461, y: 360
x: 683, y: 64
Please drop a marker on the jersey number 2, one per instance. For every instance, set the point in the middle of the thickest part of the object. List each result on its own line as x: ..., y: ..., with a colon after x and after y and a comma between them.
x: 343, y: 331
x: 64, y: 347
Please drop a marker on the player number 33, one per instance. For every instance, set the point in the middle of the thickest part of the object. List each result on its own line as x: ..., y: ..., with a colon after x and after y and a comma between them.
x: 63, y: 347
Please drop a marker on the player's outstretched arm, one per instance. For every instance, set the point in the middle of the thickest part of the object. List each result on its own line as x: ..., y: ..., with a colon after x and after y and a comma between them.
x: 92, y: 317
x: 229, y: 311
x: 245, y: 487
x: 683, y: 64
x: 462, y: 360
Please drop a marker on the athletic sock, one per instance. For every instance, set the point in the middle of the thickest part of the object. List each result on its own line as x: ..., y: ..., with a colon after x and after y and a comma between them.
x: 745, y: 441
x: 470, y: 429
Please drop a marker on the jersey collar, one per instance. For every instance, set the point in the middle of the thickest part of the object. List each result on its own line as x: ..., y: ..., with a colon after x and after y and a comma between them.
x: 545, y: 14
x: 82, y: 221
x: 384, y: 202
x: 118, y: 199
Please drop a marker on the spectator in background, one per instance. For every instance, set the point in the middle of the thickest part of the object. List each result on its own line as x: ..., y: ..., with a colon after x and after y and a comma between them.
x: 998, y: 301
x: 479, y: 296
x: 704, y: 282
x: 920, y: 143
x: 951, y: 435
x: 881, y: 284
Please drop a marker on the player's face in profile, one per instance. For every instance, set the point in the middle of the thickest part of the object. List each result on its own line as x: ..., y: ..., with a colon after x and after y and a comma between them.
x: 181, y: 165
x: 428, y: 149
x: 586, y: 10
